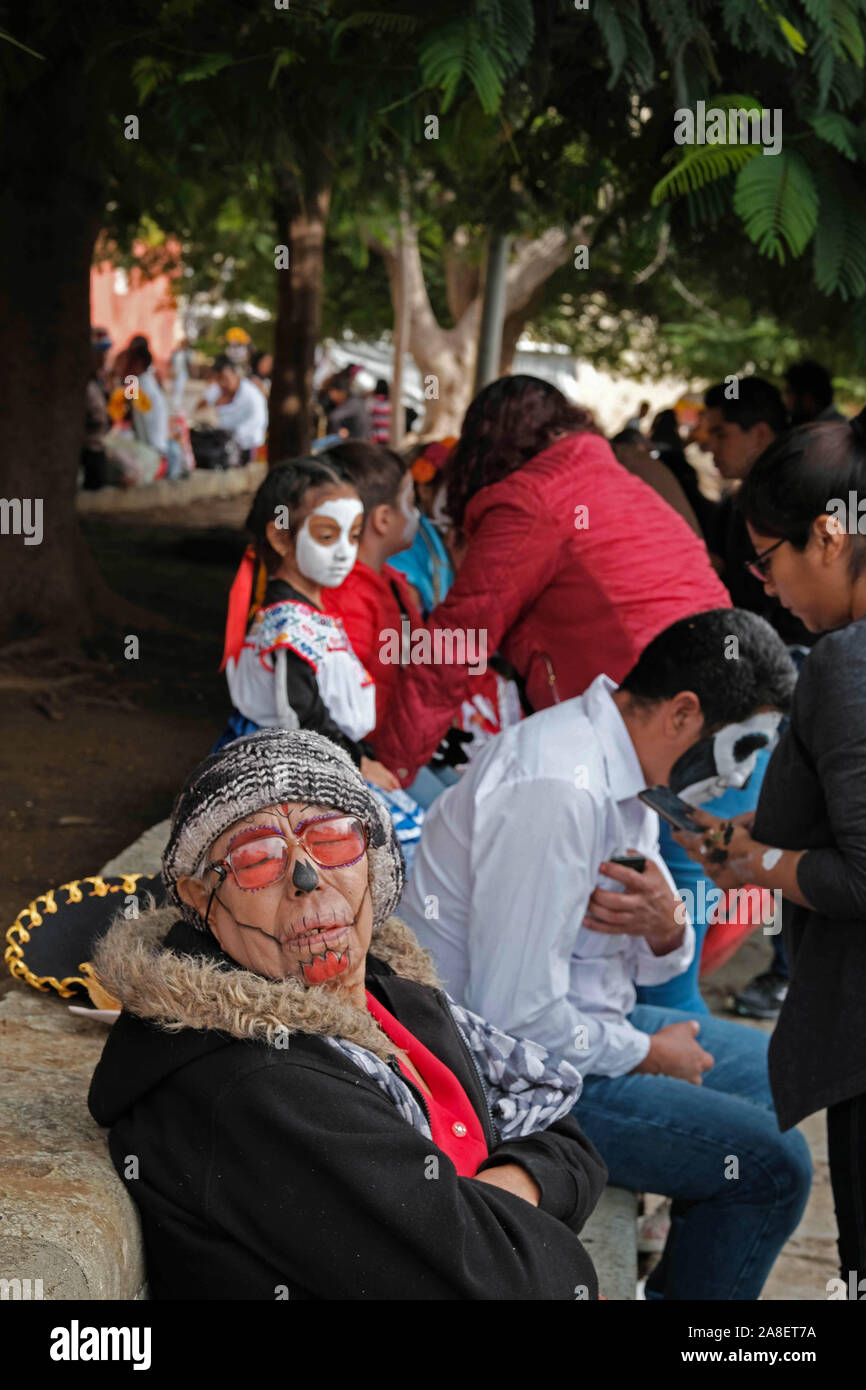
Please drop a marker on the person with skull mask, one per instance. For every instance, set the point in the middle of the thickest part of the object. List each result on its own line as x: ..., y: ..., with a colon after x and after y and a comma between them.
x: 529, y: 930
x: 289, y: 1071
x: 288, y: 661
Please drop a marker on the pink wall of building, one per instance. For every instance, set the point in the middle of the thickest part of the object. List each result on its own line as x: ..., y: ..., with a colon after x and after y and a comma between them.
x: 126, y: 303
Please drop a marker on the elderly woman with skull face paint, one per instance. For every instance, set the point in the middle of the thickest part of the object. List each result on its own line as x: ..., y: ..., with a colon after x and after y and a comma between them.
x: 290, y: 665
x: 337, y: 1128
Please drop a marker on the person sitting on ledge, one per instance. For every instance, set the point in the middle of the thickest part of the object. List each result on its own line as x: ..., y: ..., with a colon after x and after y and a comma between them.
x: 519, y: 891
x: 311, y: 1117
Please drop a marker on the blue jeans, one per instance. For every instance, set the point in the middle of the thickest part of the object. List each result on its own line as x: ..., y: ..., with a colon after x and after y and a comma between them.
x: 739, y: 1186
x: 430, y: 783
x: 682, y: 991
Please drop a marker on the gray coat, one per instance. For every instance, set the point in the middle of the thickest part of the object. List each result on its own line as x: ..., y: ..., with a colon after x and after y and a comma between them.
x: 814, y: 798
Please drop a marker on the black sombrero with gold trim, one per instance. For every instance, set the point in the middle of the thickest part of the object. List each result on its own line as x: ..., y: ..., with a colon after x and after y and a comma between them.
x: 50, y: 943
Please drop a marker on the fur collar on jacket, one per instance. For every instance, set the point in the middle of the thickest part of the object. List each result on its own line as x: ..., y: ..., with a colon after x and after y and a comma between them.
x: 203, y: 992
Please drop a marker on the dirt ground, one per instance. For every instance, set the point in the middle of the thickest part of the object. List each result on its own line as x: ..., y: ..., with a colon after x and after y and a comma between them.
x: 810, y: 1257
x: 87, y: 767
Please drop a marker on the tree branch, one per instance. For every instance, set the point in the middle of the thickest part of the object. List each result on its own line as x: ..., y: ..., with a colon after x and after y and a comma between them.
x: 536, y: 261
x: 658, y: 259
x: 692, y: 299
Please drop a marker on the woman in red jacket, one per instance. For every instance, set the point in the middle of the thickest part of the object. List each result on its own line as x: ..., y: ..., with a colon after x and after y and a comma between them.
x: 571, y: 564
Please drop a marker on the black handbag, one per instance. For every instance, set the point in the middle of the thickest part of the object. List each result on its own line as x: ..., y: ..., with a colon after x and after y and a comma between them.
x: 214, y: 448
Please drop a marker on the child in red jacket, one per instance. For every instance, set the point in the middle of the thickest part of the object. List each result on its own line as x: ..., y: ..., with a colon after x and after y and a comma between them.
x: 382, y: 619
x: 374, y: 600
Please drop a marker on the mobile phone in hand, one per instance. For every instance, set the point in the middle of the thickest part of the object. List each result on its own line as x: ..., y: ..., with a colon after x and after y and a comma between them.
x: 671, y: 808
x: 629, y: 861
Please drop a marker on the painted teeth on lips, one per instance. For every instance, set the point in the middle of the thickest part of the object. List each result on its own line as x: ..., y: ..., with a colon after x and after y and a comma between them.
x: 311, y: 935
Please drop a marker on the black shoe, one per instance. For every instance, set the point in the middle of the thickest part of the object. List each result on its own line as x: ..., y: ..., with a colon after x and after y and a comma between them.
x: 763, y: 997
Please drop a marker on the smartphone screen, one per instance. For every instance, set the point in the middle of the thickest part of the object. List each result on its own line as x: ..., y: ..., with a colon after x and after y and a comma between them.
x: 670, y: 807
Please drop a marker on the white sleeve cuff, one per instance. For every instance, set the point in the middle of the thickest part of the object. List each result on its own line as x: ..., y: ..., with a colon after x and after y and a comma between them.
x: 657, y: 970
x: 618, y: 1049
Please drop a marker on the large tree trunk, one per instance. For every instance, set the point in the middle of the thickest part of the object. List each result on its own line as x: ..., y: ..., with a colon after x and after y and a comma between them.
x: 301, y: 223
x: 448, y: 369
x: 51, y: 214
x: 446, y: 357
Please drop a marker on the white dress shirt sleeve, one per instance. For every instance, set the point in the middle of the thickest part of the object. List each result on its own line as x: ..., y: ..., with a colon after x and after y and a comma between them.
x: 535, y: 856
x: 650, y: 969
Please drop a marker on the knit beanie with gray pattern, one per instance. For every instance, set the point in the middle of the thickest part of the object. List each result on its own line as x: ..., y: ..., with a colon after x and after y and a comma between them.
x: 263, y: 769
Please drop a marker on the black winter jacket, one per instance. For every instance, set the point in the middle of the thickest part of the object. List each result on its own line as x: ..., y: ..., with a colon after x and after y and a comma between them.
x: 266, y: 1172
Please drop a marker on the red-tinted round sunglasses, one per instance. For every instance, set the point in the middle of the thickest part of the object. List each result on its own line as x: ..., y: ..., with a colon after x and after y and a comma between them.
x: 259, y: 854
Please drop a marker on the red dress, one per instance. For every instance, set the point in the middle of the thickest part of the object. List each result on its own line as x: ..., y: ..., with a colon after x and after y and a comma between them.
x: 455, y: 1127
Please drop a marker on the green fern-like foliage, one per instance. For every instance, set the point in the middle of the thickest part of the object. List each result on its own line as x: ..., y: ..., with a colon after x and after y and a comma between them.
x: 148, y: 73
x: 822, y: 16
x: 777, y: 200
x: 747, y: 23
x: 615, y: 43
x: 484, y: 47
x: 839, y: 250
x: 849, y: 30
x: 837, y: 130
x: 839, y: 21
x: 701, y: 165
x: 707, y: 204
x: 625, y: 40
x: 381, y: 22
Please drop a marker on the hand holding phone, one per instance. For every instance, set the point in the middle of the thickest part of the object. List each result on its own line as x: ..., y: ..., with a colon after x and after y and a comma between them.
x: 645, y: 904
x: 671, y: 808
x: 629, y: 861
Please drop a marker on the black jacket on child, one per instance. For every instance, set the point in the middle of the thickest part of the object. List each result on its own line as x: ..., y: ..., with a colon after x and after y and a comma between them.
x: 265, y: 1171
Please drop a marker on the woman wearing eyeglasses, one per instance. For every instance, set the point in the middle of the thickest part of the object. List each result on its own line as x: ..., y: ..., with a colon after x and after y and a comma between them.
x: 311, y: 1117
x: 808, y: 838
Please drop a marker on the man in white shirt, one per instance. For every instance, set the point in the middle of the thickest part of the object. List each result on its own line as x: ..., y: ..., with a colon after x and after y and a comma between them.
x: 511, y: 891
x: 241, y: 407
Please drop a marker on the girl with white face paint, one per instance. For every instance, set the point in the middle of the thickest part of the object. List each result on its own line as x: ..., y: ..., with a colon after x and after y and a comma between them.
x: 291, y: 665
x: 326, y: 546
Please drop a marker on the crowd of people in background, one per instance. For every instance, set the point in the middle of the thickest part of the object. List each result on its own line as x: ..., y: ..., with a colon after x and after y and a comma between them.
x: 139, y: 427
x: 511, y: 635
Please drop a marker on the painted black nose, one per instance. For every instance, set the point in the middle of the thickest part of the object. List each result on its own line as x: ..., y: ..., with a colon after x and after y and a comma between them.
x: 304, y: 876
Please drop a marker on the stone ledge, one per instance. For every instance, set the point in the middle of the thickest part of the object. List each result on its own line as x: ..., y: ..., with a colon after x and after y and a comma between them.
x: 143, y: 856
x: 610, y: 1238
x: 165, y: 492
x: 67, y: 1219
